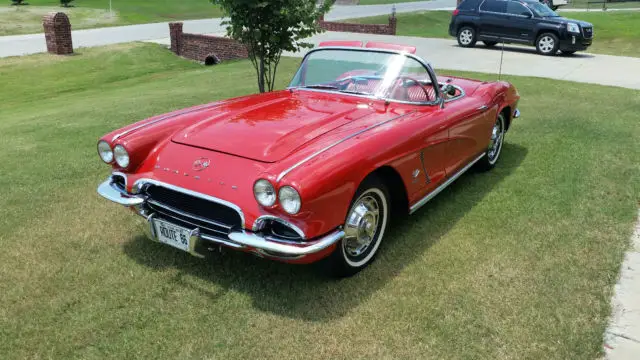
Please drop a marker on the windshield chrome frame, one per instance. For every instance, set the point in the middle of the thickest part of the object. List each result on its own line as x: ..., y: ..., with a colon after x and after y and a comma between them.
x: 426, y: 65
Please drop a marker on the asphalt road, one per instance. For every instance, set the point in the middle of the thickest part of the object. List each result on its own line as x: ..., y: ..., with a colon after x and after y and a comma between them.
x: 30, y: 44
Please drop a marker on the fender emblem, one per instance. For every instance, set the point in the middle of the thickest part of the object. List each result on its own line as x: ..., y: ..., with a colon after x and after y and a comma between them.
x: 201, y: 164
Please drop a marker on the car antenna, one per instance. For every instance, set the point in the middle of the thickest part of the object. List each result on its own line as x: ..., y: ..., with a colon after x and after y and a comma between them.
x: 501, y: 57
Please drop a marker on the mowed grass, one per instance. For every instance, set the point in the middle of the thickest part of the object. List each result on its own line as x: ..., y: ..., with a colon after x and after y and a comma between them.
x: 516, y: 263
x: 95, y: 13
x: 616, y: 33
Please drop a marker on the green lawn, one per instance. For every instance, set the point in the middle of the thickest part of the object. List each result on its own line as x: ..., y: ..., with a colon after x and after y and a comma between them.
x: 95, y: 13
x: 616, y: 33
x: 516, y: 263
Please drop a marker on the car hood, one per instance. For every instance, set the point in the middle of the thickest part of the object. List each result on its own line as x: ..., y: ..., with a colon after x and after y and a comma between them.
x: 564, y: 20
x: 269, y: 127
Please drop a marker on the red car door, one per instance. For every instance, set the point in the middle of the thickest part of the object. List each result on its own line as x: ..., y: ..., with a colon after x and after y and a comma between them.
x: 469, y: 121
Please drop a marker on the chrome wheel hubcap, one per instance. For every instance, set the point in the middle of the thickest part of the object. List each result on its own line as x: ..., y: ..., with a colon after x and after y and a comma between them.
x: 361, y: 225
x: 465, y: 37
x: 546, y: 44
x: 495, y: 145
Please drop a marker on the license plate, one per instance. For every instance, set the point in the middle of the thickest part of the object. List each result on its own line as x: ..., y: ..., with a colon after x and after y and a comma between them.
x: 171, y: 234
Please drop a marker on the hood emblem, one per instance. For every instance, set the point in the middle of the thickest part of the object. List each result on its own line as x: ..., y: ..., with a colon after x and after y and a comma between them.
x: 201, y: 164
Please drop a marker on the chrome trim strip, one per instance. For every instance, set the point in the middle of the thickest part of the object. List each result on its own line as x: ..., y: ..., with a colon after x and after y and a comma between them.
x: 109, y: 191
x: 137, y: 186
x: 437, y: 190
x: 185, y: 214
x: 257, y: 224
x: 259, y: 242
x: 162, y: 118
x: 285, y: 172
x: 516, y: 114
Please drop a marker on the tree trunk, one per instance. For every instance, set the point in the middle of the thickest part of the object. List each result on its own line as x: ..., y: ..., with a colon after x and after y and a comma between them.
x: 261, y: 76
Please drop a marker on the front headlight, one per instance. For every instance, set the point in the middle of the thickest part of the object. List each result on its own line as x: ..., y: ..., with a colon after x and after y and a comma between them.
x: 264, y: 192
x: 105, y: 152
x: 121, y: 155
x: 573, y: 28
x: 289, y: 199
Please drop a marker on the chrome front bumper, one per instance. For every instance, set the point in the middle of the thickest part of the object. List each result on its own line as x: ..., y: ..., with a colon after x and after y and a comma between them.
x: 239, y: 239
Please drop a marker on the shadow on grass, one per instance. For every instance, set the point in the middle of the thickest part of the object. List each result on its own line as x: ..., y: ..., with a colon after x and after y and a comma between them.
x: 301, y: 291
x: 528, y: 50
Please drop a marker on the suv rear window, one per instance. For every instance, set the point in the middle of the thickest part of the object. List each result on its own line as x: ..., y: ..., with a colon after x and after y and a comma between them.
x: 496, y: 6
x: 469, y: 5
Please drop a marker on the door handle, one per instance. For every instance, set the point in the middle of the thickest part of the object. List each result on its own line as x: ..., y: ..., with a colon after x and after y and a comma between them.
x: 482, y: 108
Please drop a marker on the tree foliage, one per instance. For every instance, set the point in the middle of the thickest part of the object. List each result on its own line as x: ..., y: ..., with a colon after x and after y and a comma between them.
x: 269, y: 27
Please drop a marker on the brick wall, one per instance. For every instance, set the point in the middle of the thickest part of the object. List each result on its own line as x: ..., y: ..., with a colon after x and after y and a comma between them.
x: 57, y: 33
x: 205, y: 48
x: 382, y: 29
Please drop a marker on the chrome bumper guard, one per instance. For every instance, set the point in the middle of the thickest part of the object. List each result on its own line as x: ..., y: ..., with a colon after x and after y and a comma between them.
x: 237, y: 239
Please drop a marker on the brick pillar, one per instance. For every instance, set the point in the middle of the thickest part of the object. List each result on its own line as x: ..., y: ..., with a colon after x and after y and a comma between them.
x: 392, y: 24
x: 57, y: 33
x: 175, y: 32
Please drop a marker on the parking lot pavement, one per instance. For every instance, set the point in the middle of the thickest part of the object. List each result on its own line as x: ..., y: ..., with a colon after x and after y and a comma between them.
x: 446, y: 54
x: 622, y: 338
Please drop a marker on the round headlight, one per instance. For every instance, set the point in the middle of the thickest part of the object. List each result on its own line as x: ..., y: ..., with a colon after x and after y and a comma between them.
x: 264, y: 192
x: 289, y: 199
x: 105, y: 152
x: 121, y: 155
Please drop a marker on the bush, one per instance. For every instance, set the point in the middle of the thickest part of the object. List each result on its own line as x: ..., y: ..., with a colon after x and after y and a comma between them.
x: 18, y: 2
x: 65, y: 3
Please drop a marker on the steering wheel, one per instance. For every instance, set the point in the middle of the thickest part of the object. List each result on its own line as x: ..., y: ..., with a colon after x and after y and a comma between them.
x: 406, y: 82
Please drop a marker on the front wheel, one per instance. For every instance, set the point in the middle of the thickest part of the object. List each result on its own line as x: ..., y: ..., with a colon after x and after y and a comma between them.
x: 467, y: 37
x: 547, y: 44
x: 364, y: 227
x: 494, y: 149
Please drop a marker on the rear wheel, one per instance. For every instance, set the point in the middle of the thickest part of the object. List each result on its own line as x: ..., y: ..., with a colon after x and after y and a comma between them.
x: 547, y: 44
x: 467, y: 36
x: 494, y: 149
x: 490, y: 43
x: 364, y: 227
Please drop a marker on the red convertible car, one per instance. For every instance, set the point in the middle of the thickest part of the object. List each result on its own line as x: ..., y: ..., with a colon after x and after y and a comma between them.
x: 313, y: 172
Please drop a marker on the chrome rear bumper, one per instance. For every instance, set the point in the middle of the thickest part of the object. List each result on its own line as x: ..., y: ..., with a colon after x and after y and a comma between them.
x: 239, y: 239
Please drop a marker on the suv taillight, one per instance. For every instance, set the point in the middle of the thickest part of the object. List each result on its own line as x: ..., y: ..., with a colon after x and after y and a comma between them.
x: 455, y: 12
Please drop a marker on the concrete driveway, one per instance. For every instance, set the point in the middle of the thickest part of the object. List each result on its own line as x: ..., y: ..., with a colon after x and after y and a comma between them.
x: 446, y: 54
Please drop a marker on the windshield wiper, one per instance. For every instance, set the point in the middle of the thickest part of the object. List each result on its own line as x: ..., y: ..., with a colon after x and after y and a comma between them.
x: 321, y: 86
x: 355, y: 92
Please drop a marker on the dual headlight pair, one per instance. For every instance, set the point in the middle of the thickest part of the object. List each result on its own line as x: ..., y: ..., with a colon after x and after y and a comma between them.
x: 265, y: 195
x: 119, y: 153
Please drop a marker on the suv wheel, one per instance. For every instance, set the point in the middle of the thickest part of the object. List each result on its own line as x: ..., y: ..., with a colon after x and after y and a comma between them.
x: 467, y: 36
x: 547, y: 44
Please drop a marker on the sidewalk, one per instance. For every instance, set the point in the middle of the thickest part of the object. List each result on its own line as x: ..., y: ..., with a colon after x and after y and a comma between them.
x: 622, y: 337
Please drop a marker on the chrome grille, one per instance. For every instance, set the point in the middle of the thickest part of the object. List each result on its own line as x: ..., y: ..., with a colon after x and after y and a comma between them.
x: 210, y: 217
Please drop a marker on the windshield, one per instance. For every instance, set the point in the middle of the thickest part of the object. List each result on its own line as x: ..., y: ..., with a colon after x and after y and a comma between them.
x: 372, y: 73
x: 541, y: 10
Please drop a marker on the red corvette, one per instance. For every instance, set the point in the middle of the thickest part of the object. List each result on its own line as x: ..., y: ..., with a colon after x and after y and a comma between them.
x: 312, y: 172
